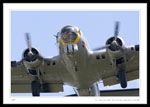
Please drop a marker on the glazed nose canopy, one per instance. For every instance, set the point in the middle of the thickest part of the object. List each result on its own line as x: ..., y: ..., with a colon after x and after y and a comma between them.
x: 69, y: 37
x: 69, y: 34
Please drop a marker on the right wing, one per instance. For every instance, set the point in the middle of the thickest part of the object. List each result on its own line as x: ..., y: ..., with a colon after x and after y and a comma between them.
x: 118, y: 92
x: 132, y: 69
x: 101, y: 63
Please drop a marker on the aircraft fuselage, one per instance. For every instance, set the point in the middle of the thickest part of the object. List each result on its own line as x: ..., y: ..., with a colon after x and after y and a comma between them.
x: 75, y: 57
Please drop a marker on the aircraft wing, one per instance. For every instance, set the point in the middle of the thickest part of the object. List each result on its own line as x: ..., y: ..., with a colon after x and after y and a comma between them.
x: 21, y: 79
x: 101, y: 62
x: 118, y: 92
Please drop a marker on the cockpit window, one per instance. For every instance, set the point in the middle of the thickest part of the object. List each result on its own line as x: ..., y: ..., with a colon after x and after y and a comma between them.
x: 69, y: 34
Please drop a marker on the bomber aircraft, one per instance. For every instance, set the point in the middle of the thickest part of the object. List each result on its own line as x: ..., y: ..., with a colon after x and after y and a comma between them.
x: 76, y: 65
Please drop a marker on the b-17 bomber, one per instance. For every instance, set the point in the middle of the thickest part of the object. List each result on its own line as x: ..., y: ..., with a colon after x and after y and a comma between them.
x: 76, y: 65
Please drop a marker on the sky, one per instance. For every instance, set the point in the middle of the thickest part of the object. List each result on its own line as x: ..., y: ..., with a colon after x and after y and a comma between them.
x: 97, y: 27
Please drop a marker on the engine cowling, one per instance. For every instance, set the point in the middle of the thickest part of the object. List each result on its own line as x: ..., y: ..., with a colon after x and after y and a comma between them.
x: 113, y: 49
x: 31, y: 61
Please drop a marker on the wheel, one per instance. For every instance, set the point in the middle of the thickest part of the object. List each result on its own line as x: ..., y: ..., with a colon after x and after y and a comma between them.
x: 122, y: 78
x: 35, y: 85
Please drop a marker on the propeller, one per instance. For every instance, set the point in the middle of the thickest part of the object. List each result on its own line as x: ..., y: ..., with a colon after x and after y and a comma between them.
x: 103, y: 47
x: 56, y: 37
x: 116, y: 30
x: 31, y: 56
x: 114, y: 44
x: 29, y: 44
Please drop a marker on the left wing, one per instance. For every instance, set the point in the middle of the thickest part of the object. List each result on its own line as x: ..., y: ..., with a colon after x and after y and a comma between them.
x: 51, y: 70
x: 36, y: 73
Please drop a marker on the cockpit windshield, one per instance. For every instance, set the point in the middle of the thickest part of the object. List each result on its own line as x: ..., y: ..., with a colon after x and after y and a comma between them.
x: 69, y: 34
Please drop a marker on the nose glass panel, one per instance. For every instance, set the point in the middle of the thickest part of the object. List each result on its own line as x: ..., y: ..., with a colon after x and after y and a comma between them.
x: 69, y: 37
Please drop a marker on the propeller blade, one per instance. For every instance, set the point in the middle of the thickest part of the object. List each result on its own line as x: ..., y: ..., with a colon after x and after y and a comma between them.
x: 56, y: 37
x: 28, y: 41
x: 116, y: 30
x: 103, y: 47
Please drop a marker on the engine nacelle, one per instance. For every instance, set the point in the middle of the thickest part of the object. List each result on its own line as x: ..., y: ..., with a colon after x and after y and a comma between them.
x: 31, y: 62
x: 113, y: 51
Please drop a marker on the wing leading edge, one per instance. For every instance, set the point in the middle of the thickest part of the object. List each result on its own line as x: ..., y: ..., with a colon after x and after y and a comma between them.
x: 50, y: 70
x: 101, y: 61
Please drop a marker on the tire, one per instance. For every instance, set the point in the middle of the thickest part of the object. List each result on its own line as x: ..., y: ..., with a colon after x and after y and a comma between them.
x: 35, y: 85
x: 122, y: 78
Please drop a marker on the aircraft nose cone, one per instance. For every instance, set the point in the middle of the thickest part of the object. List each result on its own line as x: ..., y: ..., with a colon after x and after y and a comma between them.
x: 114, y: 43
x: 30, y: 54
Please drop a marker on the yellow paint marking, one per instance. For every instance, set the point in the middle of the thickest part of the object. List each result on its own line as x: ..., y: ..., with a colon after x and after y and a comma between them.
x: 75, y: 42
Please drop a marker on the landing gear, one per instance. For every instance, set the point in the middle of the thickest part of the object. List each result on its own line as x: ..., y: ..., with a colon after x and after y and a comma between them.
x: 122, y: 78
x: 35, y: 86
x: 38, y: 84
x: 121, y: 74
